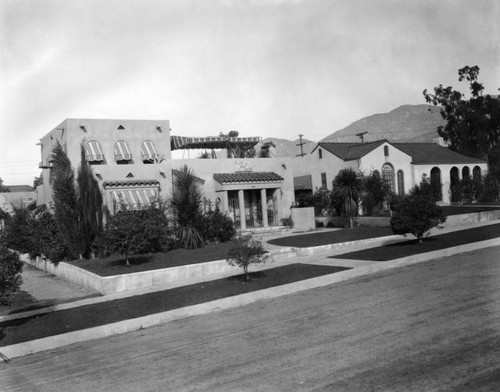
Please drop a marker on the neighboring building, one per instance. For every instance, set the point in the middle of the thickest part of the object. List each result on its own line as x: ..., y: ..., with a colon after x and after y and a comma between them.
x: 131, y: 160
x: 18, y: 197
x: 402, y: 165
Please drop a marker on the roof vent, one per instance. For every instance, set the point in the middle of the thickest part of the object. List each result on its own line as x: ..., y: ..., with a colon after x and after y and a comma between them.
x: 130, y: 175
x: 121, y: 127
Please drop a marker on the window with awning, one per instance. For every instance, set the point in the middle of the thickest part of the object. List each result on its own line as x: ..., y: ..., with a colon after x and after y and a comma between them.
x: 132, y: 199
x: 93, y: 151
x: 122, y: 151
x: 148, y: 151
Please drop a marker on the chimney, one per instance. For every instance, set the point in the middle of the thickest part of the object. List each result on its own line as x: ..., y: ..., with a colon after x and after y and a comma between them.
x: 439, y: 141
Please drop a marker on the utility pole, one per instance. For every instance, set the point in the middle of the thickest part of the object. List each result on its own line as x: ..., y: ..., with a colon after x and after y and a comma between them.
x: 301, y: 148
x: 360, y: 135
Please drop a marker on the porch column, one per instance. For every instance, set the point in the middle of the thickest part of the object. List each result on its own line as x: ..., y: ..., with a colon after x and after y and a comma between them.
x: 263, y: 202
x: 241, y: 201
x: 225, y: 202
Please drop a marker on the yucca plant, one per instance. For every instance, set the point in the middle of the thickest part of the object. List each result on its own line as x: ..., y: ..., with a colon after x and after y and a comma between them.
x: 347, y: 188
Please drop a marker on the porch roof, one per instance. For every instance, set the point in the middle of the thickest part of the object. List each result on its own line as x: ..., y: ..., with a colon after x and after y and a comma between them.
x: 239, y: 177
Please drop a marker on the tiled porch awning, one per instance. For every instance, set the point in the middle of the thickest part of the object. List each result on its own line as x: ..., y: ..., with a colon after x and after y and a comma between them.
x: 181, y: 142
x: 229, y: 178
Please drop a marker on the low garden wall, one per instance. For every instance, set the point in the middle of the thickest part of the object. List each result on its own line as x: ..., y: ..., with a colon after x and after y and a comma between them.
x: 134, y: 281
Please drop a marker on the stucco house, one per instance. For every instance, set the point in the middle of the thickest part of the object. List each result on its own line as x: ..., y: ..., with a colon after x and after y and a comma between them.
x: 402, y: 165
x: 132, y: 161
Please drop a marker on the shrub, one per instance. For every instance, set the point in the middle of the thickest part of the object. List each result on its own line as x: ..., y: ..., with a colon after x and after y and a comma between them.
x: 375, y: 193
x: 416, y: 214
x: 320, y: 200
x: 136, y: 232
x: 246, y: 251
x: 10, y: 274
x: 216, y: 227
x: 287, y: 221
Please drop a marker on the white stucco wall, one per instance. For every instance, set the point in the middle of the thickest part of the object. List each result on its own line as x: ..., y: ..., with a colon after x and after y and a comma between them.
x: 399, y: 160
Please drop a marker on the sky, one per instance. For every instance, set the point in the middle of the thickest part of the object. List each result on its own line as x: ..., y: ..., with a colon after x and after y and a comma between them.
x: 269, y: 68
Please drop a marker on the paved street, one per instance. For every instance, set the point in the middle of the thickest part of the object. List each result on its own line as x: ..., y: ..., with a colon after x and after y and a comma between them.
x: 429, y: 326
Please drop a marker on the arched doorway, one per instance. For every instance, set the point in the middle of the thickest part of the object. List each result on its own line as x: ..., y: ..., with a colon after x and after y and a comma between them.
x: 437, y: 190
x: 454, y: 184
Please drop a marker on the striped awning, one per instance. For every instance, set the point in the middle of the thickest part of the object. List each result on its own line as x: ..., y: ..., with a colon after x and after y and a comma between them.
x: 148, y: 151
x: 132, y: 199
x: 93, y: 151
x: 179, y: 142
x: 122, y: 152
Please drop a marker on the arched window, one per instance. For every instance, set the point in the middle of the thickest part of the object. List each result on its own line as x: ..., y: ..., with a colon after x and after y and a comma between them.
x: 401, y: 183
x: 465, y: 172
x: 476, y: 173
x: 386, y: 151
x: 388, y: 175
x: 320, y: 153
x: 93, y: 153
x: 437, y: 190
x: 122, y: 152
x: 148, y: 152
x: 454, y: 180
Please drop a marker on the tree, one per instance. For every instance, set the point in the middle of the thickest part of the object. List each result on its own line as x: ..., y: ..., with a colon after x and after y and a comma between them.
x: 3, y: 188
x: 416, y: 214
x: 473, y: 122
x: 37, y: 181
x: 89, y: 204
x: 78, y: 204
x: 65, y: 201
x: 10, y: 274
x: 347, y: 188
x: 185, y: 203
x: 375, y: 193
x: 136, y: 232
x: 246, y: 251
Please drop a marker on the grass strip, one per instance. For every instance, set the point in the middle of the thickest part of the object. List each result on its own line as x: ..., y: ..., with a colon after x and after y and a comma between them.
x: 88, y: 316
x: 332, y: 237
x: 429, y: 244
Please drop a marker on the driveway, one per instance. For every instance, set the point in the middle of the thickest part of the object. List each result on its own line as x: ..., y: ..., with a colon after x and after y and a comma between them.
x: 429, y: 326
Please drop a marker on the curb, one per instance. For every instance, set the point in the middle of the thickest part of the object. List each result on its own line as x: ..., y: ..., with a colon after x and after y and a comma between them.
x: 52, y: 342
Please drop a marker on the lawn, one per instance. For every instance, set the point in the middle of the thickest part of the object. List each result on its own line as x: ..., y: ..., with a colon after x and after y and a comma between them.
x: 467, y: 209
x: 55, y: 323
x: 115, y: 265
x: 412, y: 247
x: 332, y: 237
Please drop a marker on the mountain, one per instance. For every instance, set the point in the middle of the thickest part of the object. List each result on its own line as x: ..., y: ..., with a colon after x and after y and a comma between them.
x: 288, y: 148
x: 408, y: 123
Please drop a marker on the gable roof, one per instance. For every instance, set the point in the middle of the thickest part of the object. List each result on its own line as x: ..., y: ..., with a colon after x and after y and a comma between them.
x: 350, y: 151
x: 430, y: 153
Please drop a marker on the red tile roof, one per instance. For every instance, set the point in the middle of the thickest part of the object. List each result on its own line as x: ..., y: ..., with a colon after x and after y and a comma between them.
x: 225, y: 178
x: 125, y: 183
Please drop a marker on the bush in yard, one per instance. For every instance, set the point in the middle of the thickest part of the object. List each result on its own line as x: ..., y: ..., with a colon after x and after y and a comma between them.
x: 375, y: 193
x: 216, y: 227
x: 10, y: 274
x: 416, y: 214
x: 246, y: 251
x: 320, y: 200
x: 18, y: 231
x: 136, y: 232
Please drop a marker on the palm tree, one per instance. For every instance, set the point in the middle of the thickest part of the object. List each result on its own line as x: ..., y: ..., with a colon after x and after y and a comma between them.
x: 185, y: 204
x: 347, y: 188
